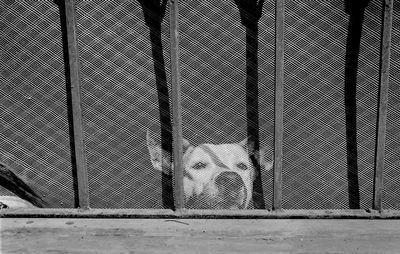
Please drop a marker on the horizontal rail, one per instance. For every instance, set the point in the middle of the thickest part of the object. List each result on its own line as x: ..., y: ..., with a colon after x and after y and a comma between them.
x: 203, y: 214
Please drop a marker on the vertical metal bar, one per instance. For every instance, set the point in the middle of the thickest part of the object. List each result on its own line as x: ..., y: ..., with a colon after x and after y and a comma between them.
x: 278, y: 125
x: 382, y: 102
x: 176, y: 106
x: 70, y: 17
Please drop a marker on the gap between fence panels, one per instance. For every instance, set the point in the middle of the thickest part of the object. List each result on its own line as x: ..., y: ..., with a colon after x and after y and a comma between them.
x: 200, y: 214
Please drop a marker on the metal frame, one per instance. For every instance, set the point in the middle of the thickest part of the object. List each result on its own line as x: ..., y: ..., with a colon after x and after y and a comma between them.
x: 279, y: 81
x: 176, y: 107
x: 382, y: 101
x: 75, y: 88
x: 180, y: 212
x: 204, y: 214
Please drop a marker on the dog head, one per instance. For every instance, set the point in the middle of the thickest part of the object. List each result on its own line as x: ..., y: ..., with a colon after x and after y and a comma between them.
x: 215, y: 176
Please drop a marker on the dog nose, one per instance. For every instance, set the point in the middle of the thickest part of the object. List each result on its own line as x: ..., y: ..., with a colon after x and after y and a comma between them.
x: 231, y: 180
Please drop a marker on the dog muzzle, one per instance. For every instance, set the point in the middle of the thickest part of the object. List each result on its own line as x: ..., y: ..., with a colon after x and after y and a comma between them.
x: 231, y: 190
x: 228, y: 192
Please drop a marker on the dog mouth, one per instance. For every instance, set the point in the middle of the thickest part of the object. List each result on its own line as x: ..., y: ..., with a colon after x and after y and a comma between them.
x: 231, y: 190
x: 226, y: 200
x: 231, y: 198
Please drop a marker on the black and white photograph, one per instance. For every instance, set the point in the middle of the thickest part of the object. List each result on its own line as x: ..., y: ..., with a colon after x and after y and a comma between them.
x: 199, y: 126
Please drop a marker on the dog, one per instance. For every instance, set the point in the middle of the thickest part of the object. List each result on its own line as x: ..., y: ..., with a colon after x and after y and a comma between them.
x: 214, y: 176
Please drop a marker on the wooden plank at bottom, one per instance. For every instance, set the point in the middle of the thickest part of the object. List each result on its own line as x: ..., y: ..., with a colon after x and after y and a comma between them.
x: 198, y: 236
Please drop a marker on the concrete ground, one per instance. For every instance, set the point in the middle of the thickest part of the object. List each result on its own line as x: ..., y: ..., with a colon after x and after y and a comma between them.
x: 20, y: 235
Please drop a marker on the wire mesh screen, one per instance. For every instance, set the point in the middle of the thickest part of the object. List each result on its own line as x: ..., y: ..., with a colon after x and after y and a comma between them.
x: 34, y: 136
x: 227, y: 68
x: 329, y: 122
x: 392, y: 159
x: 124, y: 50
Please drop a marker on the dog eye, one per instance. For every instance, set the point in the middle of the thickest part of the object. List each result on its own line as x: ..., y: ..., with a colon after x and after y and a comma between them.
x: 241, y: 166
x: 199, y: 165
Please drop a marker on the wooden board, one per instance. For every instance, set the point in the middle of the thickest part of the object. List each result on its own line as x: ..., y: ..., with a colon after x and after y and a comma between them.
x: 25, y: 235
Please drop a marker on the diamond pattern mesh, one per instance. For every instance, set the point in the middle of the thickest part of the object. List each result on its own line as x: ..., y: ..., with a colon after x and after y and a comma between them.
x: 34, y: 137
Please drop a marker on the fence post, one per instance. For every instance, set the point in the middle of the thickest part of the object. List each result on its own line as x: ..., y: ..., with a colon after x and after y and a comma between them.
x: 382, y: 102
x: 278, y: 125
x: 176, y: 107
x: 75, y: 89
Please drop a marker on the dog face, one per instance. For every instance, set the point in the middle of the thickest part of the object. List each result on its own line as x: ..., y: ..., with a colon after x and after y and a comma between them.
x: 215, y: 176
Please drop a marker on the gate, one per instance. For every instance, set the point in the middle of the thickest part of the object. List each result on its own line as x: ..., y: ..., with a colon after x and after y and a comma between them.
x: 87, y: 84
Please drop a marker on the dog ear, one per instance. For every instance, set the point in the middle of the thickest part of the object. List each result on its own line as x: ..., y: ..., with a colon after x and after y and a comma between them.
x: 260, y: 155
x: 243, y: 143
x: 186, y: 144
x: 264, y: 159
x: 160, y: 158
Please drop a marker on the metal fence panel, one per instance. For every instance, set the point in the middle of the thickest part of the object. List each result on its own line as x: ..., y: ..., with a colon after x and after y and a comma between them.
x: 329, y: 123
x: 124, y: 56
x: 34, y: 137
x: 227, y: 72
